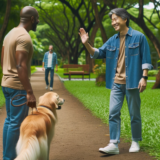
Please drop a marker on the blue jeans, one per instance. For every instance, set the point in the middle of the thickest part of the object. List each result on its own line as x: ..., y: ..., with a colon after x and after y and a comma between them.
x: 47, y: 70
x: 15, y: 116
x: 116, y: 101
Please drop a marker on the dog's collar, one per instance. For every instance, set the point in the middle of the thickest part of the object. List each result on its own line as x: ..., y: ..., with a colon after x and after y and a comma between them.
x: 59, y: 107
x: 46, y: 107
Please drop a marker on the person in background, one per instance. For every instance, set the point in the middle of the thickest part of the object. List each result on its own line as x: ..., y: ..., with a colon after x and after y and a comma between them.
x: 48, y: 64
x: 16, y: 59
x: 127, y: 63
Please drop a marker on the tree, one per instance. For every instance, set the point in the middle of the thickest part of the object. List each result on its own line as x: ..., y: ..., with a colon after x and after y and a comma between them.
x: 6, y: 19
x: 38, y: 49
x: 62, y: 30
x: 83, y: 10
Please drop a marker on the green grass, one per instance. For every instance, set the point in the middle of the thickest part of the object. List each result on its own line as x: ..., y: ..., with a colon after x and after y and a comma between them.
x: 60, y: 73
x: 97, y: 100
x: 152, y: 78
x: 2, y: 99
x: 39, y: 66
x: 33, y: 71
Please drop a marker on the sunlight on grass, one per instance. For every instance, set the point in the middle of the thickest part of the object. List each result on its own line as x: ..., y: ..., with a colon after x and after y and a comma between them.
x: 97, y: 100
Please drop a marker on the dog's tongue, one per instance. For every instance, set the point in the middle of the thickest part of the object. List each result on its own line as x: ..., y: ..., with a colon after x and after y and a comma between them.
x: 59, y: 107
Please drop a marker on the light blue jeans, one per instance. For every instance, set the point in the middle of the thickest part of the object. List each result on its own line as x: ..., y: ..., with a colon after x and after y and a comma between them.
x: 116, y: 101
x: 15, y: 116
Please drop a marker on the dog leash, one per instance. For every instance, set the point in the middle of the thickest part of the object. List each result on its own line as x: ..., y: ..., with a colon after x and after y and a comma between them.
x: 23, y: 95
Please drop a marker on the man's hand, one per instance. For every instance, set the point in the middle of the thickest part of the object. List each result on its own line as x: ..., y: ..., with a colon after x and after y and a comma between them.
x: 84, y: 36
x: 31, y: 100
x: 142, y: 85
x: 56, y: 70
x: 43, y: 69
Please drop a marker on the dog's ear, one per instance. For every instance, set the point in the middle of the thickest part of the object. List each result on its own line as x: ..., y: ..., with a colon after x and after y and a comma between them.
x: 54, y: 104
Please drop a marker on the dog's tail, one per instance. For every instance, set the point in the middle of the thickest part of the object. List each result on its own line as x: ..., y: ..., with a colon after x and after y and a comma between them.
x: 28, y: 149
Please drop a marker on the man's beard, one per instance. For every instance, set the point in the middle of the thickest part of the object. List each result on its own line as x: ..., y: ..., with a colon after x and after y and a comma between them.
x: 34, y: 26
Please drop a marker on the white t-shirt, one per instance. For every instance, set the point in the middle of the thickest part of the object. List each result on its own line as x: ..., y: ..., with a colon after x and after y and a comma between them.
x: 50, y: 59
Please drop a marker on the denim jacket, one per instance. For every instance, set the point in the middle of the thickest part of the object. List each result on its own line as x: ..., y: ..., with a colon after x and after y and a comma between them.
x: 137, y: 57
x: 54, y: 60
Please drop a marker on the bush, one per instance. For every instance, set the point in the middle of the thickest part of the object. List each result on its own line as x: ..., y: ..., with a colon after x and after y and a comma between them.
x: 152, y: 72
x: 100, y: 71
x: 33, y: 68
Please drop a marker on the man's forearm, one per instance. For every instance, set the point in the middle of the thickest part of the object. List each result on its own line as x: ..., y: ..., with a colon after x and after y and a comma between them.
x: 145, y: 72
x: 23, y: 76
x: 90, y: 49
x: 43, y: 64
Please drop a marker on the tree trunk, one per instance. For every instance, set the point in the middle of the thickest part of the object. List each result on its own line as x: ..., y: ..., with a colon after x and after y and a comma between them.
x: 99, y: 21
x: 6, y: 19
x: 89, y: 61
x: 157, y: 83
x: 92, y: 37
x: 74, y: 60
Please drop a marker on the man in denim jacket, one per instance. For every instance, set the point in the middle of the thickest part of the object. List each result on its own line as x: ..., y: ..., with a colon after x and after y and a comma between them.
x: 127, y: 63
x: 49, y: 63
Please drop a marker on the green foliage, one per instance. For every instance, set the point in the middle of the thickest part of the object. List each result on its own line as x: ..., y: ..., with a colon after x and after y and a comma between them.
x: 152, y: 72
x: 2, y: 99
x: 33, y: 69
x: 101, y: 84
x: 38, y: 47
x: 99, y: 69
x: 60, y: 27
x: 82, y: 58
x: 99, y: 106
x: 98, y: 42
x: 0, y: 75
x: 158, y: 64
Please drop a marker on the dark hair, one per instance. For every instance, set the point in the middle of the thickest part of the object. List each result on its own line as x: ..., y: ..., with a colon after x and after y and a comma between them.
x: 120, y: 12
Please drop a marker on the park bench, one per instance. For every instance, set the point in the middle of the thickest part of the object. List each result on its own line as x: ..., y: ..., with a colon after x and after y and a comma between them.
x: 76, y: 69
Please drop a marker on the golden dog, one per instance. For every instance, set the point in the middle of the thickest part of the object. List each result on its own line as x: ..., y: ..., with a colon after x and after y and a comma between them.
x: 37, y: 129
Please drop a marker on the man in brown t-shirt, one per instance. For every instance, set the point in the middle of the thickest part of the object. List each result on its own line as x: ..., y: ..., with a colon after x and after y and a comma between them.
x: 15, y: 61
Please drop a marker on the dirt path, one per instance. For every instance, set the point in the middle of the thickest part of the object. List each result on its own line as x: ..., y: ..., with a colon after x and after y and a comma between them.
x: 78, y: 135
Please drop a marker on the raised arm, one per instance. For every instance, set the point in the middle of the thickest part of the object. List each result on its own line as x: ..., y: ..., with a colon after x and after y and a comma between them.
x: 21, y: 64
x: 84, y: 38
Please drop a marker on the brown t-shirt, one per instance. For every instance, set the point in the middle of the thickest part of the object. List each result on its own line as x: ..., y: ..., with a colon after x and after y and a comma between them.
x: 17, y: 39
x: 120, y: 76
